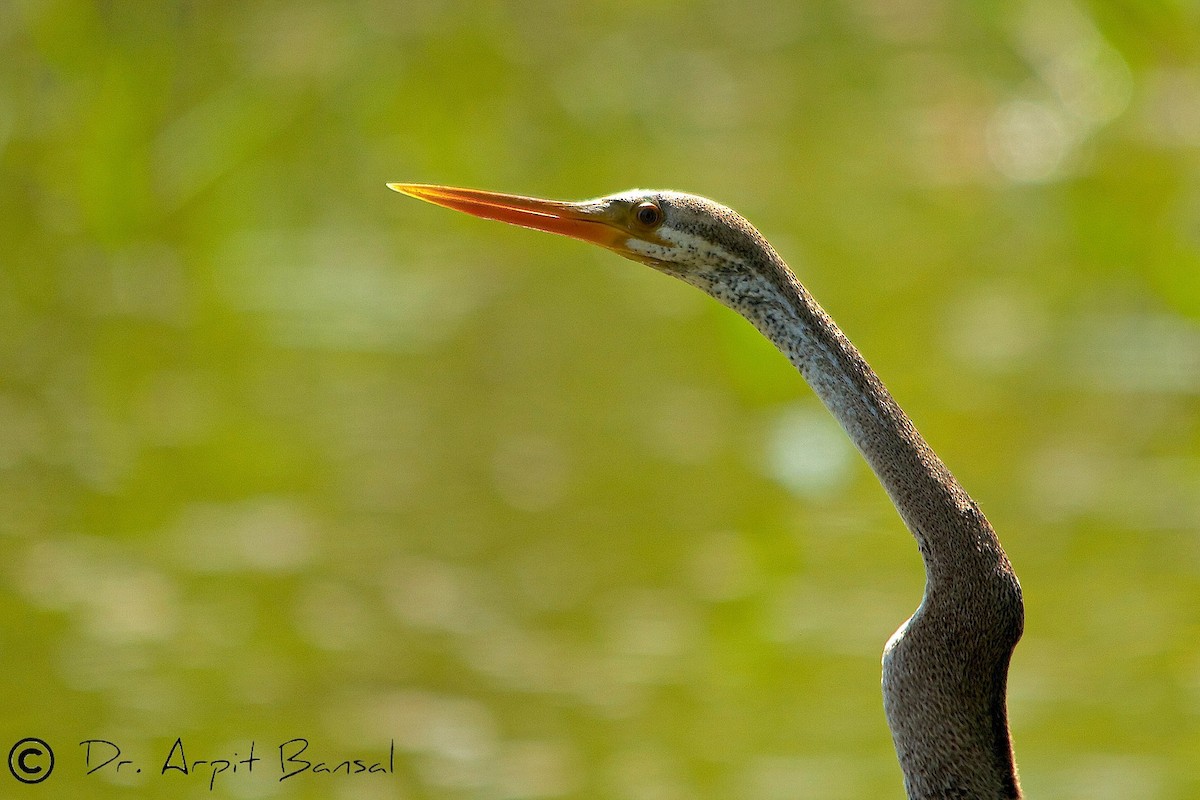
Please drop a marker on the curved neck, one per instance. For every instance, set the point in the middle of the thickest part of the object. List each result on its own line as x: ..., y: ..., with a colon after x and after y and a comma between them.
x: 945, y: 671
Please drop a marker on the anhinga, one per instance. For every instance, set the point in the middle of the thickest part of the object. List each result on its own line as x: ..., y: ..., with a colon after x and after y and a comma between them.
x: 945, y: 670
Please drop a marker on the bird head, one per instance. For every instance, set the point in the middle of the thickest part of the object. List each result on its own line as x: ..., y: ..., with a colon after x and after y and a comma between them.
x: 690, y: 237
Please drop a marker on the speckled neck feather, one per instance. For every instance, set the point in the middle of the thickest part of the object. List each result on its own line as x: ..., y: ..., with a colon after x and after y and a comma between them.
x: 945, y: 670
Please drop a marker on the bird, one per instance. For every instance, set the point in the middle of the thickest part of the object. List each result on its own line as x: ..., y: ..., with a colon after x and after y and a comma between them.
x: 945, y: 670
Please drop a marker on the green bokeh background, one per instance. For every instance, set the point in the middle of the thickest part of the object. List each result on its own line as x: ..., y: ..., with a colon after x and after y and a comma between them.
x: 285, y: 454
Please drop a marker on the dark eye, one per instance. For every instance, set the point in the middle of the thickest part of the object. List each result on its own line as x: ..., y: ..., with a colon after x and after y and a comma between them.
x: 648, y: 214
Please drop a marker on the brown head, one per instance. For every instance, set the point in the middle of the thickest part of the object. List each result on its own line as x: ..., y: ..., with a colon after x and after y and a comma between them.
x: 692, y: 238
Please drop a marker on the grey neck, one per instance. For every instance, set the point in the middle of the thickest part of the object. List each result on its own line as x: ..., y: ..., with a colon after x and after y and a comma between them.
x: 945, y: 670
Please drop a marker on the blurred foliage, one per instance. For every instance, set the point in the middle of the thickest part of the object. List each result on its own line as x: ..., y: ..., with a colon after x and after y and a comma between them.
x: 284, y: 454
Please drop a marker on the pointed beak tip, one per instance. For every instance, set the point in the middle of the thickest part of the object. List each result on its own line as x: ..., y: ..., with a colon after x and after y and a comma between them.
x: 576, y: 220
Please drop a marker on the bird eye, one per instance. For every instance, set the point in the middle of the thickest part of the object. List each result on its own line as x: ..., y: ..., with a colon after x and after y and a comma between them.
x: 648, y: 214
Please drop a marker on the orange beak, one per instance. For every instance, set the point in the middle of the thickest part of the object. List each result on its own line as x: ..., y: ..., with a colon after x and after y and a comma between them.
x: 592, y: 221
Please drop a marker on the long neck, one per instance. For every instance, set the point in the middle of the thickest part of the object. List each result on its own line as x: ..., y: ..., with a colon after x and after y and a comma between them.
x: 945, y: 671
